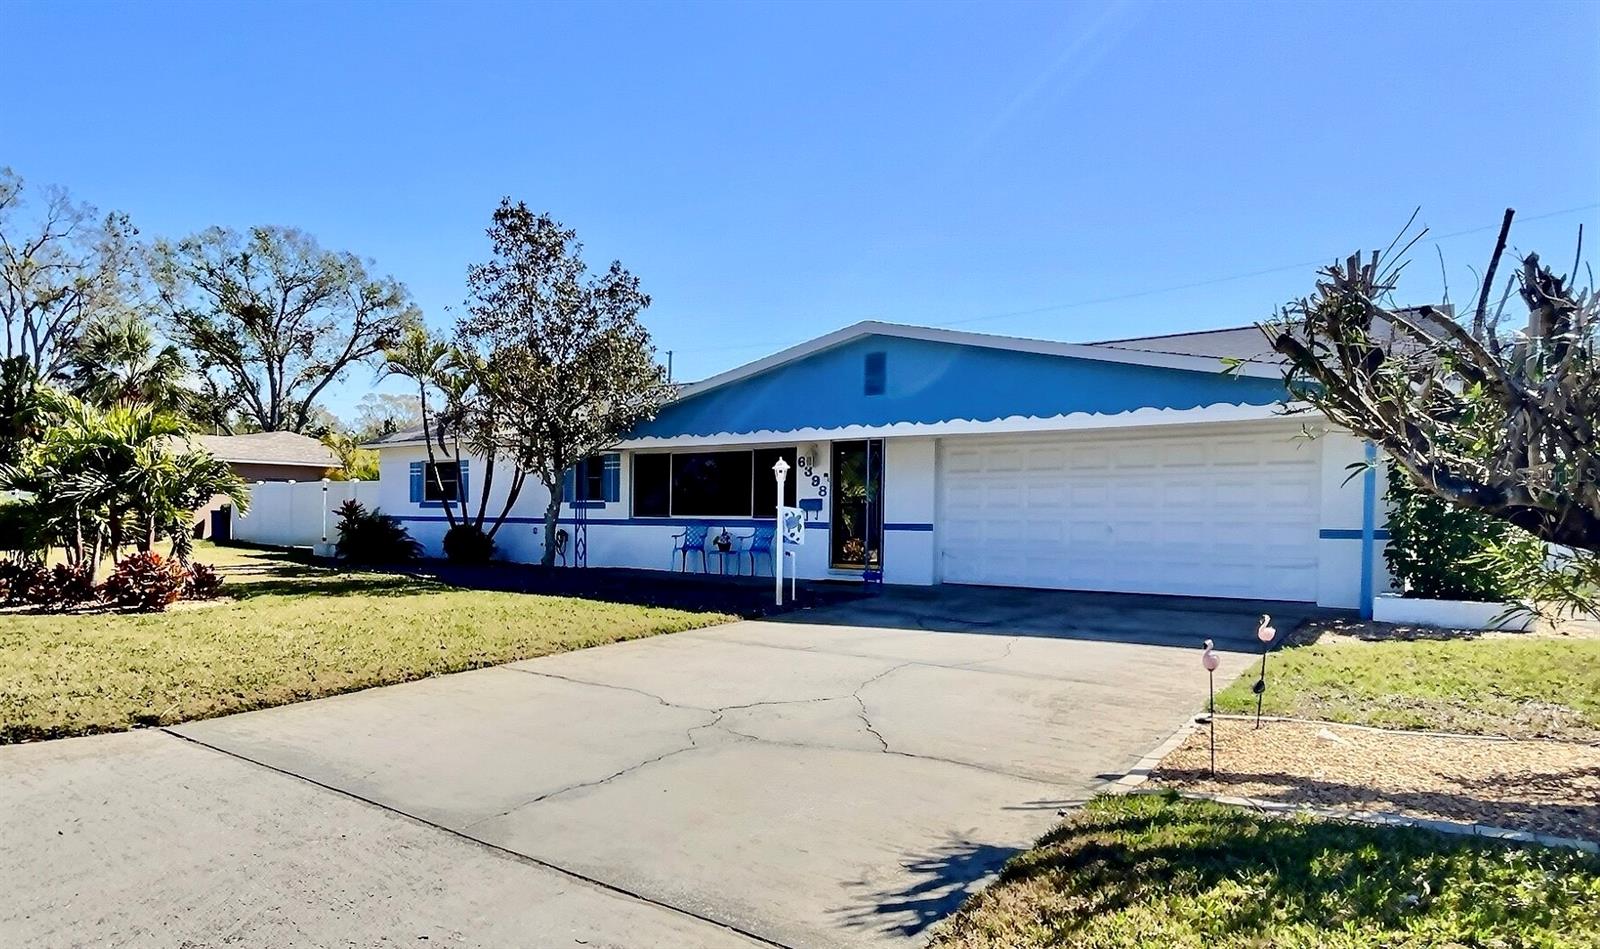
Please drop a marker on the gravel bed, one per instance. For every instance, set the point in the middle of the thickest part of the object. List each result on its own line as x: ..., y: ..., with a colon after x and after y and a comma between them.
x: 1546, y: 787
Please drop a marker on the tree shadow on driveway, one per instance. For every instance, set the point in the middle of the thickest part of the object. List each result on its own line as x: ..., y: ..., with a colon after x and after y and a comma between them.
x: 942, y: 879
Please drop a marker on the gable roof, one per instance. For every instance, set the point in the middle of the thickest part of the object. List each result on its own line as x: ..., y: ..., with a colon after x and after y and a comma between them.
x: 936, y: 382
x: 269, y: 448
x: 1196, y: 362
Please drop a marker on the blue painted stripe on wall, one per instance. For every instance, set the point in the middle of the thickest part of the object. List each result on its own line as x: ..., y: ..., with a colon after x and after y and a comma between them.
x: 732, y: 522
x: 1351, y: 534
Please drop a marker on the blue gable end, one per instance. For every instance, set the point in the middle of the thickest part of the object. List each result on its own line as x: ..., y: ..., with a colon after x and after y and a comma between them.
x: 925, y: 381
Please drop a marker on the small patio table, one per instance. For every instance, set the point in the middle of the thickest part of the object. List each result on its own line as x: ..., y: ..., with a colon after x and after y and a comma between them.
x: 722, y: 559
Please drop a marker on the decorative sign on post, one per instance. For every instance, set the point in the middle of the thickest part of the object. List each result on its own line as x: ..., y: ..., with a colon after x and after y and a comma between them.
x: 793, y: 521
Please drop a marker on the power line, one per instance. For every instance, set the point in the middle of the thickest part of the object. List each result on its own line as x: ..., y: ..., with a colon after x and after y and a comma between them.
x: 1100, y: 301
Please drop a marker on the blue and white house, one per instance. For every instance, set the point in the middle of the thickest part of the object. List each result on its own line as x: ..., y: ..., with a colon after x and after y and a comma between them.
x: 937, y: 456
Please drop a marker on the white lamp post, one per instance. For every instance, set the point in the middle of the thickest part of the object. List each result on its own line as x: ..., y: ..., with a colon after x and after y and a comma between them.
x: 780, y: 473
x: 324, y: 511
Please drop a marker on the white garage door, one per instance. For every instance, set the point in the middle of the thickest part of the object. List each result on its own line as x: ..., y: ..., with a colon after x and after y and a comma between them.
x: 1200, y: 515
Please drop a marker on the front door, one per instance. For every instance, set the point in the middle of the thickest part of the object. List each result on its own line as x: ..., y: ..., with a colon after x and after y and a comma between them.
x: 856, y: 531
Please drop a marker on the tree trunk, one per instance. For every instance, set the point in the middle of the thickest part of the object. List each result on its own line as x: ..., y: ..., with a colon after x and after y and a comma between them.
x: 552, y: 512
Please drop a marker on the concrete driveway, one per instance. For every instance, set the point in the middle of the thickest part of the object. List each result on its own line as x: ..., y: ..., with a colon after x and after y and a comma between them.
x: 843, y: 776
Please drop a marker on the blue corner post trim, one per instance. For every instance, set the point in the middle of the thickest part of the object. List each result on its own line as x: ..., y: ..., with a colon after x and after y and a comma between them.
x: 1369, y: 525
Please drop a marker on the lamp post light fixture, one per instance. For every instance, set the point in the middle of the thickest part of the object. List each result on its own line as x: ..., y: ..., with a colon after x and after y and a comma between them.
x: 1208, y: 659
x: 780, y: 474
x: 1265, y: 633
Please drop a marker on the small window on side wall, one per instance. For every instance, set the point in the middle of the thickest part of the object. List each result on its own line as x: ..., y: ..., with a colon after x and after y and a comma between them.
x: 876, y: 374
x: 441, y: 481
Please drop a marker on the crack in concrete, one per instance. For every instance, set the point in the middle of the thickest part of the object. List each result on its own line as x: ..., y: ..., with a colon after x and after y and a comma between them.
x: 717, y: 714
x: 1005, y: 653
x: 607, y: 685
x: 969, y: 665
x: 461, y: 834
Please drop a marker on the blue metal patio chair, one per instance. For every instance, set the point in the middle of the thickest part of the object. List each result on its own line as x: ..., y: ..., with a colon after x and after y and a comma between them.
x: 758, y: 543
x: 692, y: 539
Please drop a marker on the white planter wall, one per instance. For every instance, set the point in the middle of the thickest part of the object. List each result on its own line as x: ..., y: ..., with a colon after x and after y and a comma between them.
x: 1446, y: 614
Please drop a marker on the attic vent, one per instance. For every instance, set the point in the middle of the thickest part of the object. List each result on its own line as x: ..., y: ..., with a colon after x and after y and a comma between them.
x: 876, y: 374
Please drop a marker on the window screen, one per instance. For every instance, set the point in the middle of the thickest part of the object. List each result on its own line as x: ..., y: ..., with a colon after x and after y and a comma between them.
x: 652, y: 485
x: 766, y: 489
x: 441, y: 481
x: 711, y: 484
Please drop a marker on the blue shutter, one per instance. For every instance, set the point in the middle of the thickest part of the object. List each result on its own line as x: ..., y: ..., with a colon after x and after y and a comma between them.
x: 416, y: 482
x: 461, y: 491
x: 613, y: 477
x: 569, y: 480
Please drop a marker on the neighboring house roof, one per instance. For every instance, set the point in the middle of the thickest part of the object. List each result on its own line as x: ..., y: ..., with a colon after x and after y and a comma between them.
x: 1246, y: 343
x: 269, y: 448
x: 405, y: 436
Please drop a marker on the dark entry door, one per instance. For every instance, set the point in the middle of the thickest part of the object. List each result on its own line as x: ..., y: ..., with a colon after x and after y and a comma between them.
x: 856, y: 528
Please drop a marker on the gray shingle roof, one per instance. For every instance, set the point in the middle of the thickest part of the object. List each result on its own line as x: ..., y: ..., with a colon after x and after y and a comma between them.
x: 269, y: 448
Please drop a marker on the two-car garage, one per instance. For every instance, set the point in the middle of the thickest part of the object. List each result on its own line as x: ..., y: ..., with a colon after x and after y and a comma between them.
x: 1211, y: 512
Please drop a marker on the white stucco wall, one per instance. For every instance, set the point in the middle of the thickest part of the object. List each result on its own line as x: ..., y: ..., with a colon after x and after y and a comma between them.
x: 1339, y: 543
x: 616, y: 538
x: 519, y: 539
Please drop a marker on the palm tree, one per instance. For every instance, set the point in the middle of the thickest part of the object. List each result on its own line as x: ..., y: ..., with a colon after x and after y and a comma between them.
x: 99, y: 477
x: 426, y: 361
x: 120, y: 361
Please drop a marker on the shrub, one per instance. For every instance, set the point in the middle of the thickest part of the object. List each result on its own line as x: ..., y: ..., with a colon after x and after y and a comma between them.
x: 63, y: 587
x: 205, y: 583
x: 17, y: 577
x: 146, y: 582
x: 1440, y: 551
x: 373, y: 537
x: 467, y: 543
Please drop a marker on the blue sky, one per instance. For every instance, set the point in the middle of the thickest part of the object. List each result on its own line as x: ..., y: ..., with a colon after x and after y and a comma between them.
x: 772, y: 172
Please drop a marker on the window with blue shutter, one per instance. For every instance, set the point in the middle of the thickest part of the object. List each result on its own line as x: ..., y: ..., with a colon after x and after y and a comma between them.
x: 416, y: 482
x: 569, y: 480
x: 462, y: 492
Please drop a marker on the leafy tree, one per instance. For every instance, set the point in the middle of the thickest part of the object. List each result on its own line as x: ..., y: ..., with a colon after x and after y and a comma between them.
x: 384, y: 413
x: 562, y: 364
x: 1492, y: 419
x: 355, y: 463
x: 60, y: 270
x: 118, y: 359
x: 273, y: 319
x: 23, y: 407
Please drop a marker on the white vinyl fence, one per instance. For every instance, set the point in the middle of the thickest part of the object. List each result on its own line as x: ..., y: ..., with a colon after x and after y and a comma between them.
x: 298, y: 514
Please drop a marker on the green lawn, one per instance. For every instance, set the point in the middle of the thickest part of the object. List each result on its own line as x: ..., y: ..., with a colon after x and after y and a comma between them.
x: 295, y: 632
x: 1523, y: 686
x: 1157, y: 871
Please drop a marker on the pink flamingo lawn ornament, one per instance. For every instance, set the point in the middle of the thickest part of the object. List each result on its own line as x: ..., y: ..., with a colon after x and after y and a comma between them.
x: 1208, y: 658
x: 1265, y: 633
